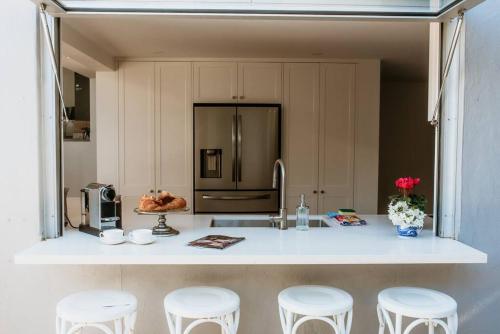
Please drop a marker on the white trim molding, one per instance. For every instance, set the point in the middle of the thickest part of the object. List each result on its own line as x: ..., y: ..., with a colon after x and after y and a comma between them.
x: 451, y: 139
x: 50, y: 154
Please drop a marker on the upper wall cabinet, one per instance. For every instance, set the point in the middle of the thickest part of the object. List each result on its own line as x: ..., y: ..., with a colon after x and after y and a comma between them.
x: 215, y: 82
x: 259, y: 82
x: 231, y: 82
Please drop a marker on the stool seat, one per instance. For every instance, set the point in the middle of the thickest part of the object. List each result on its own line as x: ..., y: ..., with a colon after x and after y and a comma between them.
x: 417, y: 302
x: 202, y: 302
x: 96, y: 306
x: 315, y: 300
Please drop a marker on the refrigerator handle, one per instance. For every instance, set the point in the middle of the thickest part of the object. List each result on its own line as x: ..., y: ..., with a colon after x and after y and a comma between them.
x: 238, y: 151
x: 233, y: 148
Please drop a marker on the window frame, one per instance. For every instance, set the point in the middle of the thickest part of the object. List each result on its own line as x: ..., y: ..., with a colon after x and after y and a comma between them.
x: 446, y: 218
x: 275, y: 9
x: 51, y: 162
x: 449, y: 185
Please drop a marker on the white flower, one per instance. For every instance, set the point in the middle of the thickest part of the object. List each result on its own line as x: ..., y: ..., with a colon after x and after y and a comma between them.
x: 400, y: 213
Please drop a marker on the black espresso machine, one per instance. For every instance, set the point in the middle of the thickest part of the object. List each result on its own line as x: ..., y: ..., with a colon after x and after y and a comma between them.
x: 101, y: 208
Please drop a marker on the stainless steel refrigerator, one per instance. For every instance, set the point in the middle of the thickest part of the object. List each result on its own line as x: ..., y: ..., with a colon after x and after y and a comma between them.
x: 235, y: 147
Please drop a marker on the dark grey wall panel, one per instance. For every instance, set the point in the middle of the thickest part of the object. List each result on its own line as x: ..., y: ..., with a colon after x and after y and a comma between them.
x: 480, y: 225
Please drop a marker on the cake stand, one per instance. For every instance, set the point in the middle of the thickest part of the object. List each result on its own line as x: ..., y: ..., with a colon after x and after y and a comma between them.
x: 162, y: 229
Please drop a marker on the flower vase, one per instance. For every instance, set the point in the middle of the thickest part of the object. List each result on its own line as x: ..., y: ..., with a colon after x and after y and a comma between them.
x: 410, y: 231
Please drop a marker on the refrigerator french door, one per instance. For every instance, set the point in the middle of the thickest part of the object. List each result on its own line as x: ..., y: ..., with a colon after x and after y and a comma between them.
x: 235, y: 147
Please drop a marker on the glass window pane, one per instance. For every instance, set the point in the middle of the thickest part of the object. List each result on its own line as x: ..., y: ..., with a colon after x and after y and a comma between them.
x: 375, y: 7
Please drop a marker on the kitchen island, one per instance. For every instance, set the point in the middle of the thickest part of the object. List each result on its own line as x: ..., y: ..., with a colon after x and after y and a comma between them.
x: 375, y: 243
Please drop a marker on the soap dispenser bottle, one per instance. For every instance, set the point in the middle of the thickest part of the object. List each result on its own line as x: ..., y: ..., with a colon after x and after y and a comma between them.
x: 302, y: 215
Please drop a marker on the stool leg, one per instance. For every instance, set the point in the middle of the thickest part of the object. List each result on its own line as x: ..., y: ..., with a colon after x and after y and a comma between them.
x: 349, y: 321
x: 225, y: 319
x: 129, y: 322
x: 289, y: 316
x: 381, y: 321
x: 231, y: 321
x: 399, y: 323
x: 170, y: 322
x: 236, y: 321
x: 118, y: 326
x: 178, y: 324
x: 63, y: 326
x: 340, y: 320
x: 431, y: 326
x: 453, y: 323
x: 286, y: 318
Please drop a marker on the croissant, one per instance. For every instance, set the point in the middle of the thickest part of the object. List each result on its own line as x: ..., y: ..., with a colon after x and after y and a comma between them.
x: 147, y: 203
x: 176, y: 203
x: 164, y: 202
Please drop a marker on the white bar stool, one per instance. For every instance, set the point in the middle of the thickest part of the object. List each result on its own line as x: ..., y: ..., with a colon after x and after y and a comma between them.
x: 299, y: 304
x: 205, y: 304
x: 93, y: 309
x: 426, y: 306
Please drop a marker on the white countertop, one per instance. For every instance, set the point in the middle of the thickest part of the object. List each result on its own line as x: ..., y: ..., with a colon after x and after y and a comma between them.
x: 375, y: 243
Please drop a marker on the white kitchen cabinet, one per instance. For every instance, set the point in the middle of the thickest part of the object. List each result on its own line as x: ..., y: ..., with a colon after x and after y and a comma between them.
x: 319, y: 134
x: 259, y: 82
x: 300, y: 132
x: 155, y: 128
x: 215, y: 82
x: 336, y: 137
x: 231, y: 82
x: 174, y: 126
x: 136, y: 132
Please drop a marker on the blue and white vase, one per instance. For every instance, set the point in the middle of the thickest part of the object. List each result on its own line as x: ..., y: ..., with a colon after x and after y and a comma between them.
x: 411, y: 231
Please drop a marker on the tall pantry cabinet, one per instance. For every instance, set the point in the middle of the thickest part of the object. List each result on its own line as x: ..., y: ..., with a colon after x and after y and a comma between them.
x: 319, y: 104
x: 155, y: 128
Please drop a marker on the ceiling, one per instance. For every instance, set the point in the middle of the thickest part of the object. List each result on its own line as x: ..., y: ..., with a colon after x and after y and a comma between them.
x: 402, y: 46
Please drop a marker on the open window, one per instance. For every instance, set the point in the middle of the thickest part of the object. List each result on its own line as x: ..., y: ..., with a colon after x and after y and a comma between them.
x: 382, y: 9
x: 95, y: 44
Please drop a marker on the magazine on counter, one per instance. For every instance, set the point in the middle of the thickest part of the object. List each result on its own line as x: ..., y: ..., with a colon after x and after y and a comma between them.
x: 215, y: 241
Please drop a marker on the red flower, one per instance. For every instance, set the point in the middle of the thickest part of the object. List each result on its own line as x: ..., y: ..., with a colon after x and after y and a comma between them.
x: 407, y: 183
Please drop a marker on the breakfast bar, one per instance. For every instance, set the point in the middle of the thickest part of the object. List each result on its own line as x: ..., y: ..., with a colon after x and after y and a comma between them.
x: 375, y: 243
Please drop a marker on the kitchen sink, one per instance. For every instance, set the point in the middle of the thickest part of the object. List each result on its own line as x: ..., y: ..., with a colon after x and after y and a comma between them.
x: 260, y: 223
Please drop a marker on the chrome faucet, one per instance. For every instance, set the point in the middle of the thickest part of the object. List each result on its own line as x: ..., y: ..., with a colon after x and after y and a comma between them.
x: 281, y: 219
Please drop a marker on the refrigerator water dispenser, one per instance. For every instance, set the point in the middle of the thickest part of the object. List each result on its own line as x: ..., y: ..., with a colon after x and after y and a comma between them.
x: 211, y: 163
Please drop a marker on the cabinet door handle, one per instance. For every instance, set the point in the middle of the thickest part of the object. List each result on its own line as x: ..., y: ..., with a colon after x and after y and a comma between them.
x: 233, y: 148
x: 238, y: 141
x: 234, y: 97
x: 322, y: 191
x: 315, y: 191
x: 242, y: 97
x: 151, y: 191
x: 159, y: 190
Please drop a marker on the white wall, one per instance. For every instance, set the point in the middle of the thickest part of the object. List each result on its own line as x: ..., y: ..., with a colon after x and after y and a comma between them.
x: 28, y: 294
